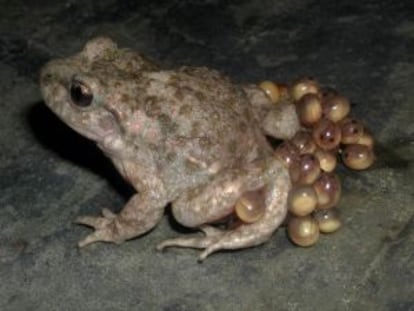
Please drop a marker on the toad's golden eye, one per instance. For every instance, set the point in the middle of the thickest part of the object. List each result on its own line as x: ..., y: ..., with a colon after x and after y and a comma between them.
x: 81, y: 94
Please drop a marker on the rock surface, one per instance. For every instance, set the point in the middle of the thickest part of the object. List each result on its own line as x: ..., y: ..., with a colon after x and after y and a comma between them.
x: 49, y: 174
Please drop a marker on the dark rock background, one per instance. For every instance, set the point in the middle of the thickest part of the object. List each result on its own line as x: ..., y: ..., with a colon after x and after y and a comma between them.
x: 49, y: 174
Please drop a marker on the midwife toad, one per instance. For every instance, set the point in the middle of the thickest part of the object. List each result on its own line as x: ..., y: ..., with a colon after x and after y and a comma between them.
x: 187, y: 137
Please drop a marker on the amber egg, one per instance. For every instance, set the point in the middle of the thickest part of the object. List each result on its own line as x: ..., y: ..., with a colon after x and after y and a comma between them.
x: 250, y: 207
x: 283, y: 90
x: 302, y: 200
x: 304, y: 86
x: 327, y: 159
x: 335, y: 107
x: 328, y: 190
x: 304, y: 141
x: 309, y: 109
x: 328, y: 220
x: 303, y: 231
x: 326, y: 134
x: 309, y: 168
x: 366, y: 139
x: 287, y: 152
x: 272, y: 90
x: 351, y: 130
x: 358, y: 157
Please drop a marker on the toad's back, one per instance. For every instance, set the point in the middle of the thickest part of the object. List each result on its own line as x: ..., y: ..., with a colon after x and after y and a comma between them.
x: 202, y: 108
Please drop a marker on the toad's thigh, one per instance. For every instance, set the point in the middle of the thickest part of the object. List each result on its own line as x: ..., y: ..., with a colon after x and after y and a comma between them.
x: 216, y: 199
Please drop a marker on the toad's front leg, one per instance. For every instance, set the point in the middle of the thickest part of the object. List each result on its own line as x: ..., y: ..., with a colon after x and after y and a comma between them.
x: 139, y: 215
x: 208, y: 203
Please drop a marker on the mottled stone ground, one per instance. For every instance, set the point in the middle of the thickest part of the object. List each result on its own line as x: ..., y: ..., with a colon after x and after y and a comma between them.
x: 49, y: 174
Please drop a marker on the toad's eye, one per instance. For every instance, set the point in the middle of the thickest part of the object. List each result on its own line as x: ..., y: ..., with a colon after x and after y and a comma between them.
x: 81, y: 94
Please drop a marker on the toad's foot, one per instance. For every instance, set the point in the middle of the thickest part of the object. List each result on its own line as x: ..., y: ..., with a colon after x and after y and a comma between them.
x: 244, y: 236
x: 104, y: 228
x: 139, y: 215
x: 210, y: 242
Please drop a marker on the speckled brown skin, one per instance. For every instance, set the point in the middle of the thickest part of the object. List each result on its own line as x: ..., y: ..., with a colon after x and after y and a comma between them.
x: 187, y: 136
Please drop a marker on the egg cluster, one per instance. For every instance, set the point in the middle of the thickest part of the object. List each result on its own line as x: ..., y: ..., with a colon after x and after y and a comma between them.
x: 328, y: 133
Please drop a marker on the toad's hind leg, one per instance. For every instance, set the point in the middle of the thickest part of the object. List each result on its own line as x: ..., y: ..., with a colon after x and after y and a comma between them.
x: 199, y: 207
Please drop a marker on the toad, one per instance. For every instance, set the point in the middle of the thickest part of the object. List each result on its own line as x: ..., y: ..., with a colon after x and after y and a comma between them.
x: 185, y: 136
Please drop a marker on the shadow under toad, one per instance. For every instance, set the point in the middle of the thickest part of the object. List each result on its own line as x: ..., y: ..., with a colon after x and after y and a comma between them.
x: 54, y: 135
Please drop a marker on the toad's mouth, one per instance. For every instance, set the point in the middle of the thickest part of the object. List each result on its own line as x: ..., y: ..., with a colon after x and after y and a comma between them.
x: 101, y: 128
x: 97, y: 134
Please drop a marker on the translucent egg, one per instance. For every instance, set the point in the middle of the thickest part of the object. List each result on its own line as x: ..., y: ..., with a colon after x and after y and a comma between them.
x: 304, y: 141
x: 251, y: 206
x: 328, y: 220
x: 358, y: 157
x: 271, y: 90
x: 309, y: 109
x: 326, y: 134
x: 304, y: 86
x: 309, y: 168
x: 302, y: 200
x: 351, y: 130
x: 335, y: 107
x: 327, y: 159
x: 328, y: 190
x: 287, y: 152
x: 366, y: 139
x: 303, y: 231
